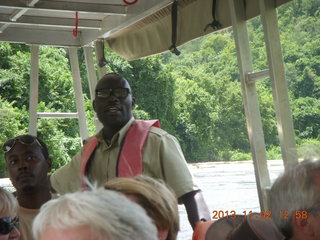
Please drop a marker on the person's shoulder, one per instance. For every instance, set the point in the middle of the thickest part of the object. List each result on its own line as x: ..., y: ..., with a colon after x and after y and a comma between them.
x: 158, y: 132
x: 161, y: 135
x: 98, y: 137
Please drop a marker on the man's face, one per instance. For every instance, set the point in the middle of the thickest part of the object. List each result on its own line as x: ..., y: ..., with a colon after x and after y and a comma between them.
x: 27, y: 167
x: 112, y: 111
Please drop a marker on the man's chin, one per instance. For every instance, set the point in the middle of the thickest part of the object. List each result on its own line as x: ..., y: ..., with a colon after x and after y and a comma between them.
x: 116, y: 123
x: 27, y: 188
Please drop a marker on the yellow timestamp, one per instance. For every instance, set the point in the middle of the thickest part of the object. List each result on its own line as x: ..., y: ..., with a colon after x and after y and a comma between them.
x: 284, y: 214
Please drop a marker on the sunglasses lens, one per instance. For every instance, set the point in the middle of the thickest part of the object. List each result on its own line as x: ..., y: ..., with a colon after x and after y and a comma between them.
x: 8, y: 145
x: 6, y: 225
x: 25, y: 139
x: 15, y: 222
x: 121, y: 92
x: 103, y: 94
x: 118, y: 92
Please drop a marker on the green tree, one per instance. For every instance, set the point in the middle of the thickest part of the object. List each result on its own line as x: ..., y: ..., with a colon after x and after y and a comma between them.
x: 10, y: 119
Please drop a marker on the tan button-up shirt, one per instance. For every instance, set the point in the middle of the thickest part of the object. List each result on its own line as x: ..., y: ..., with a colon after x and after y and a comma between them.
x: 162, y: 158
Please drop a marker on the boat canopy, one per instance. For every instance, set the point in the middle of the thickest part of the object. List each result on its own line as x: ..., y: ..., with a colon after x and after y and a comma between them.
x: 133, y: 29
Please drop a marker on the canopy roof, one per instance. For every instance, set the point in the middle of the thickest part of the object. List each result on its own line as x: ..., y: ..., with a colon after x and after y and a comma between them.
x: 133, y: 31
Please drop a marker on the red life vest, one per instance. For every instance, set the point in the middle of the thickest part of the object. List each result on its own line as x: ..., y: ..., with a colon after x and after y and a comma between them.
x: 130, y: 160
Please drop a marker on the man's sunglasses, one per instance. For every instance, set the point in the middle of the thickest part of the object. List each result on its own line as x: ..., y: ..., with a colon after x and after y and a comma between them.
x: 24, y: 139
x: 117, y: 92
x: 7, y: 224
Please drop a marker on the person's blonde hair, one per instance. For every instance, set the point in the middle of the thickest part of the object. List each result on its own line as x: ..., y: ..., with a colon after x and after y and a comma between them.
x: 155, y: 197
x: 8, y: 203
x: 108, y: 214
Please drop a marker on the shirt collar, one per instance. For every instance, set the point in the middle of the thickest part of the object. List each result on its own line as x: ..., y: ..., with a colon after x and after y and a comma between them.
x: 118, y: 137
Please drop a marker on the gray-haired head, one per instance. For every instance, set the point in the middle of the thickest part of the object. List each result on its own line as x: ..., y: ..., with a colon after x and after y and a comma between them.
x: 9, y: 204
x: 295, y: 190
x: 108, y: 214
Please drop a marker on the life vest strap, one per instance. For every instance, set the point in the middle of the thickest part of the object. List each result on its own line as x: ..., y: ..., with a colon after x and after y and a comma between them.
x: 86, y: 154
x: 129, y: 163
x: 130, y: 160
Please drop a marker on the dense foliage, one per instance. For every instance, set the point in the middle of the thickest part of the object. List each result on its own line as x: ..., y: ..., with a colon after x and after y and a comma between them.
x: 196, y: 96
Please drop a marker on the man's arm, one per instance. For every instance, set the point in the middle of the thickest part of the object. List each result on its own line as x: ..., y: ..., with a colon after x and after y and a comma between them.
x: 196, y: 207
x: 171, y: 166
x: 67, y: 178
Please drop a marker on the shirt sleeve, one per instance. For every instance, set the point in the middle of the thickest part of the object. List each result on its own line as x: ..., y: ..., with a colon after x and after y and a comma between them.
x: 164, y: 159
x: 67, y: 178
x: 175, y: 168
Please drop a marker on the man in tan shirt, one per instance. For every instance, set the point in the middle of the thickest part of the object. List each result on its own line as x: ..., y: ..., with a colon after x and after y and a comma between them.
x: 28, y: 164
x: 162, y: 156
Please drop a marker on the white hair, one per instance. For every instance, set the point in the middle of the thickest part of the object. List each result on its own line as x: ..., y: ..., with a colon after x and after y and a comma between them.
x: 294, y: 191
x: 8, y: 203
x: 108, y: 214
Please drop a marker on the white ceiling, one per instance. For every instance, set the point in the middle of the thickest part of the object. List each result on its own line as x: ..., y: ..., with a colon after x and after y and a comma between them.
x: 51, y: 22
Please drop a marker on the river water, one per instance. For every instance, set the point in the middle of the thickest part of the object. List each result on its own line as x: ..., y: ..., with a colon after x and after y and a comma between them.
x: 226, y: 186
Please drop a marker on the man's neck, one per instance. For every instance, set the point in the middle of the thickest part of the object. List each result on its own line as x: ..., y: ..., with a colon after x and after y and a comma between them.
x: 110, y: 131
x: 33, y: 198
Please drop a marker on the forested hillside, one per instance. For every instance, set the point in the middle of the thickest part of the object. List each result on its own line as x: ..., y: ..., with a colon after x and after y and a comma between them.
x: 196, y: 96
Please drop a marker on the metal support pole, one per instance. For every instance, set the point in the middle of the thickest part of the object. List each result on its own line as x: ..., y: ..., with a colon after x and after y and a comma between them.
x: 254, y: 76
x: 78, y: 92
x: 100, y: 55
x: 278, y: 81
x: 92, y: 79
x: 251, y: 103
x: 34, y: 90
x: 57, y: 115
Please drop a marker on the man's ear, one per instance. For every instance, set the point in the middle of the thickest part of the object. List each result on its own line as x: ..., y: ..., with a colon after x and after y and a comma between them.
x: 303, y: 227
x: 133, y: 102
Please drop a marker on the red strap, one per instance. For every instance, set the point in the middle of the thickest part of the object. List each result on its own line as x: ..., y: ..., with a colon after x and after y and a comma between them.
x: 86, y: 154
x: 130, y: 160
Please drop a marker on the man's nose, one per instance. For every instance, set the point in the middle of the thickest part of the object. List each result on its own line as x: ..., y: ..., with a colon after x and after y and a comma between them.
x: 23, y: 165
x: 112, y: 98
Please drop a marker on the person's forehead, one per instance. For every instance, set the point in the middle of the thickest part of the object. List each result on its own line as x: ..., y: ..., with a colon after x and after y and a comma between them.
x: 112, y: 82
x: 72, y: 233
x: 134, y: 198
x: 7, y: 214
x: 20, y: 148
